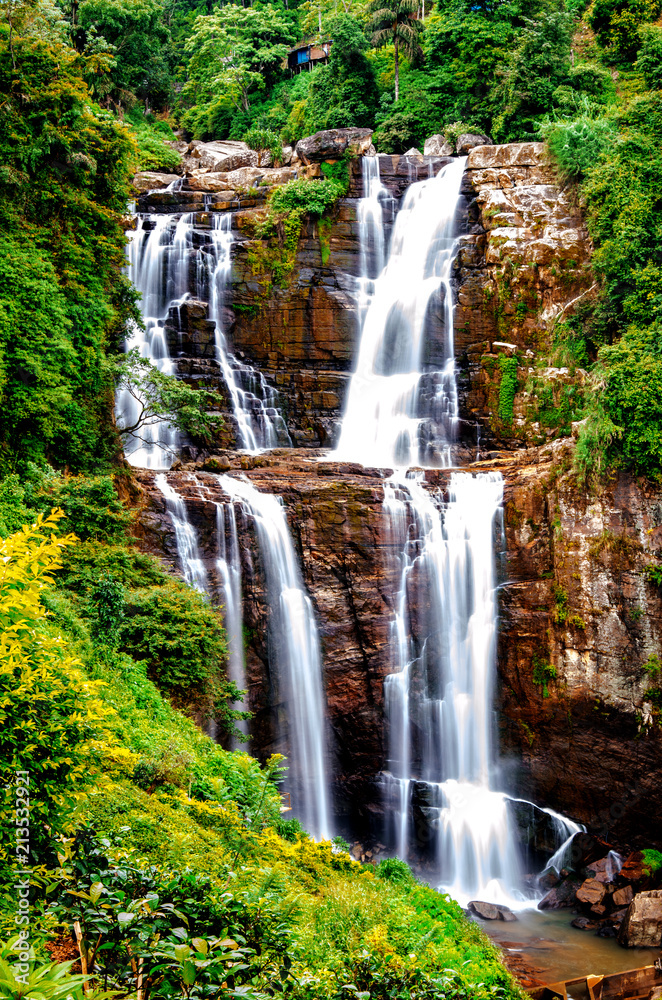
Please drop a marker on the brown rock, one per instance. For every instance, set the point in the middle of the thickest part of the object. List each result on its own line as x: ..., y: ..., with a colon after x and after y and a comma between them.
x: 591, y: 892
x: 333, y: 144
x: 148, y: 180
x: 642, y: 926
x: 623, y: 897
x: 468, y: 141
x: 487, y: 911
x: 514, y: 154
x: 437, y: 145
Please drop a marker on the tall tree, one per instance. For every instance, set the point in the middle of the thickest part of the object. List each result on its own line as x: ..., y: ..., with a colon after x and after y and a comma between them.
x: 396, y: 23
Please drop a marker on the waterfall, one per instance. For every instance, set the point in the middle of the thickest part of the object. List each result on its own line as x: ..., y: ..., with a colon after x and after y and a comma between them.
x: 228, y: 567
x: 392, y: 419
x: 438, y: 700
x: 441, y: 809
x: 167, y: 266
x: 295, y: 648
x: 157, y: 259
x: 370, y: 219
x: 254, y: 401
x: 185, y: 537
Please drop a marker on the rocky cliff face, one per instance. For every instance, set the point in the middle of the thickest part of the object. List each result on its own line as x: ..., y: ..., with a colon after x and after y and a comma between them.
x: 580, y: 620
x: 523, y: 257
x: 581, y: 626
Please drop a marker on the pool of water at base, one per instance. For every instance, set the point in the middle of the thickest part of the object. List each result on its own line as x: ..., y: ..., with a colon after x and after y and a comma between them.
x: 552, y: 951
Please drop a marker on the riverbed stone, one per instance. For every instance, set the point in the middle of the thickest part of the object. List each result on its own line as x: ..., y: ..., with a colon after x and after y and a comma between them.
x: 591, y: 892
x: 623, y: 897
x: 642, y: 926
x: 487, y: 911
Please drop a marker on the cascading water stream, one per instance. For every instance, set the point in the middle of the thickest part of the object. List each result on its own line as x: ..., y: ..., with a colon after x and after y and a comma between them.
x: 261, y: 425
x: 155, y: 253
x: 228, y: 567
x: 439, y: 801
x: 185, y: 537
x: 295, y: 647
x: 166, y: 266
x: 385, y: 422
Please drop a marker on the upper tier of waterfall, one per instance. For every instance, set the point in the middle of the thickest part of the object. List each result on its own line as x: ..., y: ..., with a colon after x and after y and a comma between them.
x: 387, y: 422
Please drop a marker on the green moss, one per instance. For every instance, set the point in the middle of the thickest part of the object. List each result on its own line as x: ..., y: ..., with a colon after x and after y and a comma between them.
x: 543, y: 673
x: 507, y: 388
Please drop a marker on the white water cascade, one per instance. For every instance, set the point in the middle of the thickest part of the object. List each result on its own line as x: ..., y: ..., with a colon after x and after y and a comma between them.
x: 167, y: 266
x: 438, y: 699
x: 157, y: 263
x: 295, y: 649
x: 387, y: 420
x: 254, y: 401
x: 228, y: 567
x: 185, y: 537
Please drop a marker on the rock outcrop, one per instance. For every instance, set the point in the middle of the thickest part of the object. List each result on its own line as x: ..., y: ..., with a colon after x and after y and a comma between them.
x: 642, y: 926
x: 334, y: 144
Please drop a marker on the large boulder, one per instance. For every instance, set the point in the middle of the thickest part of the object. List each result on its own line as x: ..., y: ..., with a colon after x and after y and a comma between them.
x: 491, y: 911
x: 149, y: 180
x: 469, y: 140
x: 642, y: 925
x: 438, y: 145
x: 591, y: 892
x: 561, y: 895
x: 333, y: 144
x: 219, y: 156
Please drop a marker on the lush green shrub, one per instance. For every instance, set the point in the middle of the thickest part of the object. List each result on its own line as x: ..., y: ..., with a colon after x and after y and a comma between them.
x: 264, y: 141
x: 50, y: 712
x: 649, y: 61
x: 617, y: 24
x: 310, y: 196
x: 577, y: 144
x: 152, y: 137
x: 181, y: 640
x: 507, y: 388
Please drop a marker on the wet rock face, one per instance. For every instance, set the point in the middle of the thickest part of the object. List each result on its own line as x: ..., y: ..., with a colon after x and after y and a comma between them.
x: 521, y: 259
x: 579, y: 621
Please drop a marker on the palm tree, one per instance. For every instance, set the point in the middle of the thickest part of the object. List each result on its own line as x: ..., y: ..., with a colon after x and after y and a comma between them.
x: 396, y: 23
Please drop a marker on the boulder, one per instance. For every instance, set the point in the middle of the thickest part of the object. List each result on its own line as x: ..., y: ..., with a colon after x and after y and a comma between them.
x: 148, y: 180
x: 244, y: 177
x: 561, y: 895
x: 412, y: 152
x: 221, y: 156
x: 633, y: 868
x: 208, y: 181
x: 438, y: 145
x: 488, y: 911
x: 333, y: 144
x: 642, y: 925
x: 179, y: 146
x: 505, y: 913
x: 512, y: 154
x: 286, y: 155
x: 468, y: 141
x: 583, y: 924
x: 591, y: 892
x: 623, y: 897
